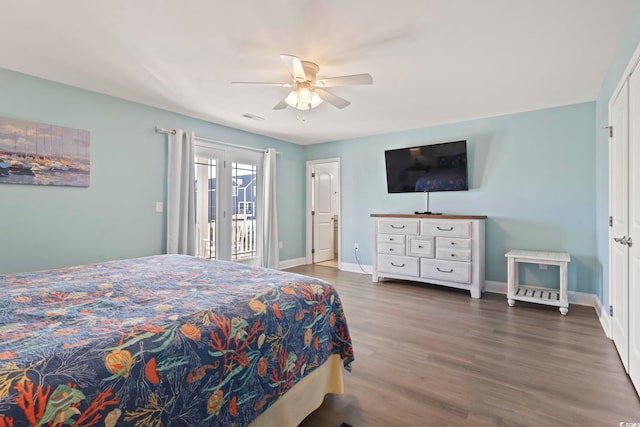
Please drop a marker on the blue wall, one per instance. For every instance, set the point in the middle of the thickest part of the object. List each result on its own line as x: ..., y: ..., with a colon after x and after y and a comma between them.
x: 45, y: 226
x: 532, y: 174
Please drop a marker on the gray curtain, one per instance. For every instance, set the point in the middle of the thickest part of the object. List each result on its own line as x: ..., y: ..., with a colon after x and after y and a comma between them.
x: 181, y: 204
x: 270, y: 253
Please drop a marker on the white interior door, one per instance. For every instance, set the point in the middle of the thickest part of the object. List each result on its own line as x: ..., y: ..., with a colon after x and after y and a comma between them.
x: 323, y: 238
x: 634, y: 228
x: 618, y: 252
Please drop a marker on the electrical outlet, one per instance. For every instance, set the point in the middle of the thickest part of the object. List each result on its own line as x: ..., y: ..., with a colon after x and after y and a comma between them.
x: 356, y: 247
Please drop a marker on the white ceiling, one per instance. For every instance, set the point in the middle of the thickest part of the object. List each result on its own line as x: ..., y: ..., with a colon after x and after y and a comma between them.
x: 432, y: 61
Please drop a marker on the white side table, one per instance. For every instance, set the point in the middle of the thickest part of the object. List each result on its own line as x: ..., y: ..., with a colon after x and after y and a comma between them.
x: 515, y: 291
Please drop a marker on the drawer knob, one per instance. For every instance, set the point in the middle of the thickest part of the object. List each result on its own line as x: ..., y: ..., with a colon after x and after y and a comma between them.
x: 453, y: 243
x: 391, y: 239
x: 419, y: 246
x: 453, y: 254
x: 400, y: 228
x: 443, y: 271
x: 444, y: 229
x: 390, y: 249
x: 397, y: 265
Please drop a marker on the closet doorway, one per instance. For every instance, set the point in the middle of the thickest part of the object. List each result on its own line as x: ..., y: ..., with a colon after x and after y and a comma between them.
x: 624, y: 220
x: 323, y: 212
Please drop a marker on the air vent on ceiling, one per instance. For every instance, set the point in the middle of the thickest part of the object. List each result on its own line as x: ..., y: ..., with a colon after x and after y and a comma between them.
x: 253, y: 117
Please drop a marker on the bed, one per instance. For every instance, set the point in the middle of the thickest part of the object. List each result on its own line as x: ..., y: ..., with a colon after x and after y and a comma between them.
x: 168, y: 340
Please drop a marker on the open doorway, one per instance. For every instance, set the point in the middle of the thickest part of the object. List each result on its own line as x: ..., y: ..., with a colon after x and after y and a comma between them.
x: 323, y: 212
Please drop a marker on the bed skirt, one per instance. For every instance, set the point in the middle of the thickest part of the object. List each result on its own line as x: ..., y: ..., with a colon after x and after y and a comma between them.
x: 305, y: 397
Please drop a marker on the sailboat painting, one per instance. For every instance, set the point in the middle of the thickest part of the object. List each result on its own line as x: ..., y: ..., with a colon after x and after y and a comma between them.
x: 38, y: 153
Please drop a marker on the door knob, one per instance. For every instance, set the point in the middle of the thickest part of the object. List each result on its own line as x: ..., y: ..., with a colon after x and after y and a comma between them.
x: 624, y: 240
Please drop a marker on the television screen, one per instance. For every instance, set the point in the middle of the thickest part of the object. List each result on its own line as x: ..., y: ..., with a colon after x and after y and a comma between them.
x: 435, y: 167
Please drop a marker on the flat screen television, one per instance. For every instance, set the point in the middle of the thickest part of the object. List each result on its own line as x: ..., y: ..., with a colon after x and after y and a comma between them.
x: 427, y: 168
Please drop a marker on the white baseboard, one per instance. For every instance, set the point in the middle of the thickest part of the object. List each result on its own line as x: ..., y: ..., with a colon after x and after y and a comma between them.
x: 605, y: 319
x: 294, y: 262
x: 355, y: 268
x: 495, y: 287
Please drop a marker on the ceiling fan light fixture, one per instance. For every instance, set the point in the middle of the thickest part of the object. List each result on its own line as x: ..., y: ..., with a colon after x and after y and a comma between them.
x: 315, y: 99
x: 301, y: 106
x: 303, y: 98
x: 292, y: 98
x: 304, y: 94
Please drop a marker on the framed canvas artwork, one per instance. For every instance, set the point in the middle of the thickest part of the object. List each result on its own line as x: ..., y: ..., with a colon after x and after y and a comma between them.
x: 39, y: 153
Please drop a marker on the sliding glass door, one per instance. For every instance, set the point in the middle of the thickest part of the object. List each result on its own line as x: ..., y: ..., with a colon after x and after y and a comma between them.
x: 227, y: 203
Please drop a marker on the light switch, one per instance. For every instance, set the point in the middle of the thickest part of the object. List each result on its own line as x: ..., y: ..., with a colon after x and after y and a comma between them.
x: 159, y: 207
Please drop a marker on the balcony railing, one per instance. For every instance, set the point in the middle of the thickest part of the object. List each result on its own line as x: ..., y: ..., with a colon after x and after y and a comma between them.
x: 244, y: 244
x: 243, y: 238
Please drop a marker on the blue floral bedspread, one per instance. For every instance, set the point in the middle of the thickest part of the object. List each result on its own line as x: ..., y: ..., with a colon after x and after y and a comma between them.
x: 167, y: 340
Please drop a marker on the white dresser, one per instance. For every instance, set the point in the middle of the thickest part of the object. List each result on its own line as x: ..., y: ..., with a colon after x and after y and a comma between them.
x: 440, y: 249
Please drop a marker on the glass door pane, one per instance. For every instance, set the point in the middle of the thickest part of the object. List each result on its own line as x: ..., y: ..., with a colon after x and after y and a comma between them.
x: 206, y: 206
x: 243, y: 219
x: 209, y: 165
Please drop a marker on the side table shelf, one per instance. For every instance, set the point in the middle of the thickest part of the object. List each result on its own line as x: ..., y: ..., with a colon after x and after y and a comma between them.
x: 515, y: 291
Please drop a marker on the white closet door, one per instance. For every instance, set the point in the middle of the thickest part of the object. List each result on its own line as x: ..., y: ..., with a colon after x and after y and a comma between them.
x: 619, y: 253
x: 634, y: 227
x: 322, y: 221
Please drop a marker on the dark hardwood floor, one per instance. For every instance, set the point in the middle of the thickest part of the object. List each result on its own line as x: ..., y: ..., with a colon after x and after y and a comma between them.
x: 432, y: 356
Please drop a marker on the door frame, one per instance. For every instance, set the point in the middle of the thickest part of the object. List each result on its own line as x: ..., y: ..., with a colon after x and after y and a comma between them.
x: 308, y: 216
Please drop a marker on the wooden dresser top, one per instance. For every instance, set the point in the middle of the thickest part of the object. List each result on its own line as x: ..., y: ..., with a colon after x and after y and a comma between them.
x: 443, y: 216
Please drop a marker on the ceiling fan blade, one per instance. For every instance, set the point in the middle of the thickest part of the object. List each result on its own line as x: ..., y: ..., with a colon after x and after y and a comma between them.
x: 281, y: 105
x: 332, y: 99
x: 355, y: 79
x: 263, y: 84
x: 294, y: 65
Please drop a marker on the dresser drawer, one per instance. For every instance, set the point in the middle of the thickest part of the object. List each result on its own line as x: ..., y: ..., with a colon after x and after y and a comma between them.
x: 398, y: 226
x: 453, y: 243
x: 391, y: 238
x: 391, y: 248
x: 446, y: 228
x: 398, y: 265
x: 450, y: 271
x: 421, y: 246
x: 453, y: 254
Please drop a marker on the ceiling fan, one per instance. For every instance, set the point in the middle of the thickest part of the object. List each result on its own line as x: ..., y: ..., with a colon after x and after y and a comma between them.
x: 308, y: 91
